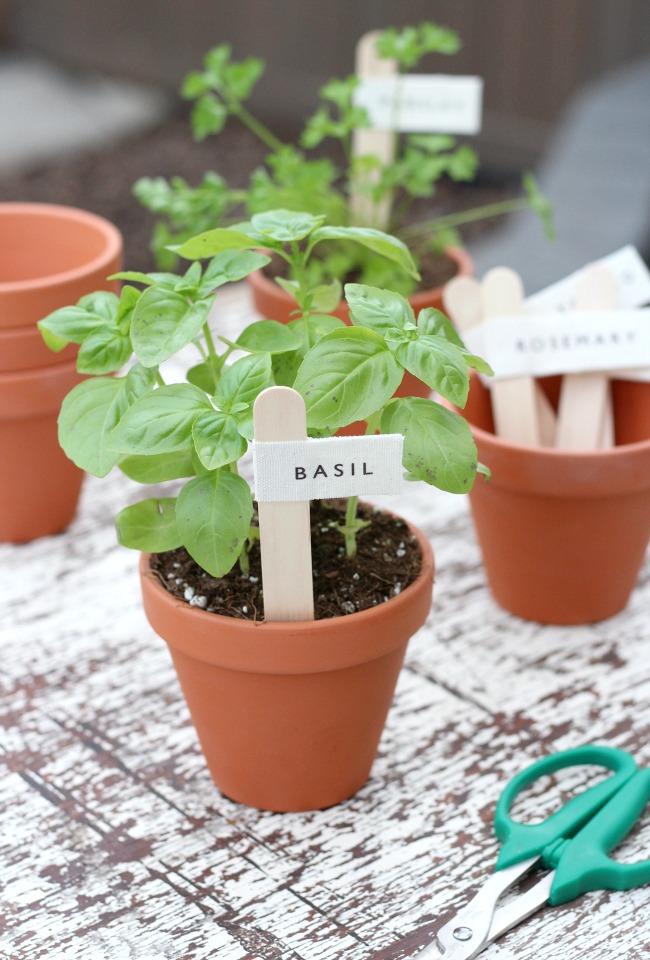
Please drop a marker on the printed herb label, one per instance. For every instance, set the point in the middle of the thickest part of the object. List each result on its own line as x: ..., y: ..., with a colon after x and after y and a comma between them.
x: 422, y: 103
x: 291, y: 470
x: 577, y: 341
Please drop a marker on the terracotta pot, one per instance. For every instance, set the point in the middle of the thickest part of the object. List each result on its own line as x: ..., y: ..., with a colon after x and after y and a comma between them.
x: 289, y: 715
x: 563, y: 533
x: 39, y: 486
x: 272, y: 302
x: 50, y: 256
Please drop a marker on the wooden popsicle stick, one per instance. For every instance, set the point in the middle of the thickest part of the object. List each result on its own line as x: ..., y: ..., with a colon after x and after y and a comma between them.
x: 461, y: 298
x: 366, y: 141
x: 285, y: 536
x: 585, y: 416
x: 522, y: 413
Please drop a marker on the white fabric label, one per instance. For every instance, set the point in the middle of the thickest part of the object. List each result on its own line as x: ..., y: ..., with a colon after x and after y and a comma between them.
x: 288, y: 470
x: 422, y: 103
x: 627, y: 266
x: 576, y: 341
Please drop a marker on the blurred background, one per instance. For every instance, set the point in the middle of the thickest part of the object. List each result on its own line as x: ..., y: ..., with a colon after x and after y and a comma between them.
x: 89, y: 103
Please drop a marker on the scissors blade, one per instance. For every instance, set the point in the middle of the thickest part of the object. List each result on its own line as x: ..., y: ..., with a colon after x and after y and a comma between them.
x: 470, y: 930
x: 519, y: 909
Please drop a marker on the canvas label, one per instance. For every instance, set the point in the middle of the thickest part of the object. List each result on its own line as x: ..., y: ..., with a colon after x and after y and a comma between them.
x: 627, y: 266
x: 422, y: 103
x: 578, y: 341
x: 292, y: 470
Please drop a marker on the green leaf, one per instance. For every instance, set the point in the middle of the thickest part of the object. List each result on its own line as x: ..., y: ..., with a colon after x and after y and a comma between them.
x: 213, y: 513
x: 208, y: 116
x: 326, y: 296
x: 149, y: 525
x: 380, y: 310
x: 72, y: 325
x: 134, y: 276
x: 382, y: 243
x: 348, y: 375
x: 161, y: 422
x: 439, y: 364
x: 438, y: 444
x: 158, y: 468
x: 285, y: 226
x: 434, y: 323
x: 267, y: 336
x: 243, y: 380
x: 217, y: 439
x: 164, y: 322
x: 213, y: 242
x: 85, y: 422
x: 104, y: 351
x: 202, y: 376
x: 229, y: 267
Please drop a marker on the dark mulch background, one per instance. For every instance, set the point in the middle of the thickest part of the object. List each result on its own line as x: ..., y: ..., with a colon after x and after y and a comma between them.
x: 387, y: 561
x: 102, y: 181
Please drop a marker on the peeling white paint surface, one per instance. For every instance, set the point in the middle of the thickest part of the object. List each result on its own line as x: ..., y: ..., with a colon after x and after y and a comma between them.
x: 115, y: 844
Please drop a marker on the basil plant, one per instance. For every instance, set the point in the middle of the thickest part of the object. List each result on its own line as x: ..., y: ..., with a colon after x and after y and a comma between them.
x: 125, y: 414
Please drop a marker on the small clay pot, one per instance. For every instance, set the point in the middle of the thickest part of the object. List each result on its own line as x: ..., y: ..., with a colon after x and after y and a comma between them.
x: 289, y: 715
x: 563, y: 533
x: 39, y: 486
x: 50, y: 256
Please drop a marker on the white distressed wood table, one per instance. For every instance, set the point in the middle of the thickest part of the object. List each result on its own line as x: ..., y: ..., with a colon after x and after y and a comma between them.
x: 117, y: 846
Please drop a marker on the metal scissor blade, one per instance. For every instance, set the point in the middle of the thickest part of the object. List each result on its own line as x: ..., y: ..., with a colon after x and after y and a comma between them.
x: 523, y: 906
x: 470, y: 930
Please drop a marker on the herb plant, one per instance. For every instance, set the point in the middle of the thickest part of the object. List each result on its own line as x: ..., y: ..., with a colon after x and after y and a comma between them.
x: 199, y: 430
x: 294, y: 179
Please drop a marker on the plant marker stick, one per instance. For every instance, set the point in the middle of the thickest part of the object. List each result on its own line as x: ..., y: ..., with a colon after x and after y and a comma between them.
x: 285, y: 537
x: 366, y: 141
x: 522, y: 413
x: 585, y: 416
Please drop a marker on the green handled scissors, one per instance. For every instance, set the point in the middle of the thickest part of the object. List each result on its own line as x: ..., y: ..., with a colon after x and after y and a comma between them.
x: 573, y: 844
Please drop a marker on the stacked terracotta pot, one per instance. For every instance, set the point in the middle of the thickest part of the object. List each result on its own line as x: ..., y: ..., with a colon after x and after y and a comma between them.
x: 50, y: 256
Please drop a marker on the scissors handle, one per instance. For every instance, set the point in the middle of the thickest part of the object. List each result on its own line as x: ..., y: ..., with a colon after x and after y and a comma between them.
x: 522, y: 841
x: 582, y: 864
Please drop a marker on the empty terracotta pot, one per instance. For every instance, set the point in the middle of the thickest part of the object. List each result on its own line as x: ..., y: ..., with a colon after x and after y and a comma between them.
x: 563, y: 534
x: 289, y: 715
x: 39, y: 486
x: 50, y: 256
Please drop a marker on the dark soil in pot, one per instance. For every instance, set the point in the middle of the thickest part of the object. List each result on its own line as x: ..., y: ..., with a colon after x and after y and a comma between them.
x: 387, y: 561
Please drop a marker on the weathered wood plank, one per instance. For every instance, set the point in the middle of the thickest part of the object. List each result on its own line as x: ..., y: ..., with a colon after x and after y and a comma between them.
x: 116, y: 844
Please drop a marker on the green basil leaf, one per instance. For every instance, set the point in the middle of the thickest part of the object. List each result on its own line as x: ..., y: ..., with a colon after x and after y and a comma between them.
x: 438, y: 444
x: 104, y: 351
x: 213, y: 513
x: 243, y: 380
x: 439, y: 364
x: 103, y: 303
x: 348, y: 375
x: 70, y: 325
x: 327, y: 296
x: 159, y: 467
x: 164, y: 322
x: 434, y: 323
x: 267, y: 336
x: 382, y: 243
x: 217, y: 439
x: 202, y: 376
x: 214, y: 241
x: 229, y: 267
x: 285, y: 226
x: 161, y: 421
x: 85, y: 423
x: 378, y: 309
x: 149, y: 525
x: 134, y: 276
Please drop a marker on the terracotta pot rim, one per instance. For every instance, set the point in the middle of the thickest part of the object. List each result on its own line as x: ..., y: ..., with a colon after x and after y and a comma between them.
x: 259, y: 281
x: 293, y: 647
x: 110, y: 232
